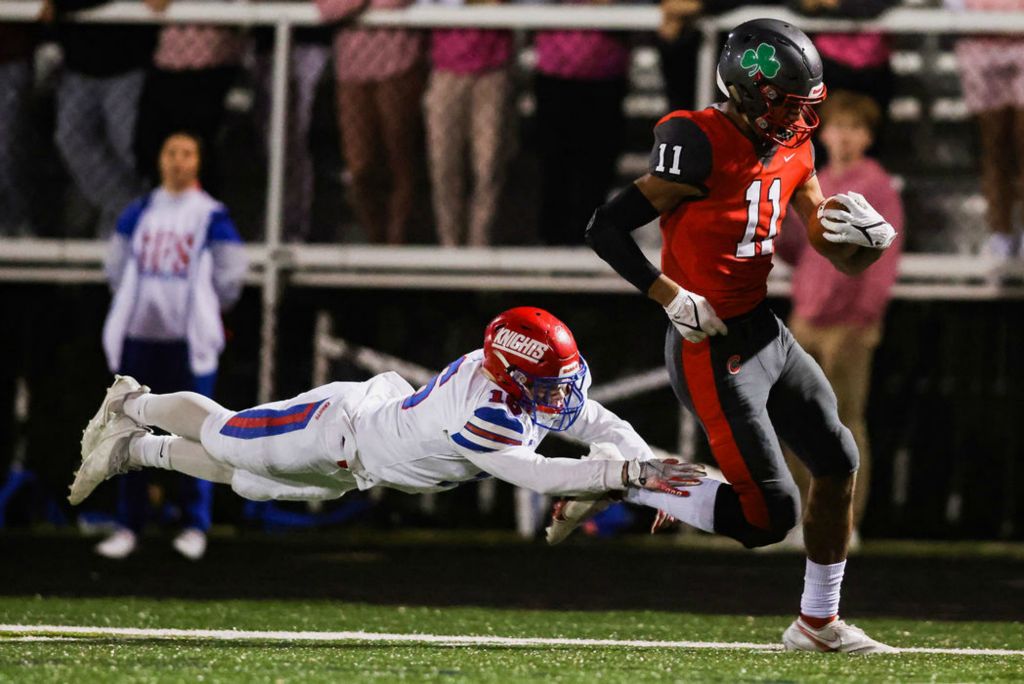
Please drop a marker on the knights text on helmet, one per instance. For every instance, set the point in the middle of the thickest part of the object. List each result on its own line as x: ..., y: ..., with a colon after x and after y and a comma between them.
x: 518, y: 344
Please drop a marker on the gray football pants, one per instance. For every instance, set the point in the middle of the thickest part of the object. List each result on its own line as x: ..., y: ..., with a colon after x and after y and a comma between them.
x: 748, y: 389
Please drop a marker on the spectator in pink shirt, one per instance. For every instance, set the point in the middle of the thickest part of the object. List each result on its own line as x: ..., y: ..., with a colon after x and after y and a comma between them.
x: 380, y: 84
x: 468, y: 107
x: 838, y: 318
x: 579, y: 87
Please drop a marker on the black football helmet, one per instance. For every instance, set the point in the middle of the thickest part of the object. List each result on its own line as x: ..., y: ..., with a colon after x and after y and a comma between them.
x: 772, y: 72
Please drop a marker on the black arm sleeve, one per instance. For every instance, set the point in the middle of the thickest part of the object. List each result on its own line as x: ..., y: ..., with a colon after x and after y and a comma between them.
x: 681, y: 153
x: 608, y: 234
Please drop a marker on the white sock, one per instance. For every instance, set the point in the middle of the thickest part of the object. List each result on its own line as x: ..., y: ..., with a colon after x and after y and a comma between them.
x: 134, y: 407
x: 697, y: 509
x: 150, y: 451
x: 180, y: 413
x: 821, y: 589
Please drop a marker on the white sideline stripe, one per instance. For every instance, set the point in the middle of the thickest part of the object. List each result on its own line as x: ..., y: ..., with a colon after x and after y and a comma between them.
x: 455, y: 639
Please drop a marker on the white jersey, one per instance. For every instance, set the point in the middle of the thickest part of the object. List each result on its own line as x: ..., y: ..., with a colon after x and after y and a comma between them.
x: 175, y: 261
x: 458, y: 427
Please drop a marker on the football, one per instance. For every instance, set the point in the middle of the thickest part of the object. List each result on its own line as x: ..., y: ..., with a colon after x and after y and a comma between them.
x: 815, y: 233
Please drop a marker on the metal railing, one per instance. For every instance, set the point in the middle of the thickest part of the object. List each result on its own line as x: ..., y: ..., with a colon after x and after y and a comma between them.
x: 275, y: 265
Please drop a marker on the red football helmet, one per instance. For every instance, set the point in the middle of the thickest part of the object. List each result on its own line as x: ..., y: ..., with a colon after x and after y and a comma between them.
x: 533, y: 357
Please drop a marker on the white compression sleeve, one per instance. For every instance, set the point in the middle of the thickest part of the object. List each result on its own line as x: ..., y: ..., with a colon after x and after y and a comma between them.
x: 566, y: 476
x: 178, y: 454
x: 181, y: 413
x: 697, y: 509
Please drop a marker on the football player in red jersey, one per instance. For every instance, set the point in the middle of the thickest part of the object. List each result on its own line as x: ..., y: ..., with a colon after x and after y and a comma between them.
x: 721, y: 180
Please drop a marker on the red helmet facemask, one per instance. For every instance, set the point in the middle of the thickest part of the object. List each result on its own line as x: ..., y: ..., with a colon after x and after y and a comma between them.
x: 788, y: 119
x: 533, y: 357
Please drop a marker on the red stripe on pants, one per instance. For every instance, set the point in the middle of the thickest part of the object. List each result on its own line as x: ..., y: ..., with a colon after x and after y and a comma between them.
x: 700, y: 379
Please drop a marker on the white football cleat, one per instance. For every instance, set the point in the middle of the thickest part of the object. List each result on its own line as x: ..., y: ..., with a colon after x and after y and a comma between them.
x: 191, y: 543
x: 835, y: 637
x: 568, y: 514
x: 109, y: 458
x: 113, y: 400
x: 117, y: 546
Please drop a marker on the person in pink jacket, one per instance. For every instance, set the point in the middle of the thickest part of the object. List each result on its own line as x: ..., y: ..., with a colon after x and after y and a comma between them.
x: 835, y: 317
x: 380, y: 79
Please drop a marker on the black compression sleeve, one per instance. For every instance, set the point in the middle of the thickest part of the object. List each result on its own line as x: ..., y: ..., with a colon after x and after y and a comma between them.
x: 608, y: 234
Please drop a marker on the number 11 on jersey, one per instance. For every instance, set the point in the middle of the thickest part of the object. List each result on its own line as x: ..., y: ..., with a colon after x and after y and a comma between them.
x: 756, y: 242
x: 677, y: 150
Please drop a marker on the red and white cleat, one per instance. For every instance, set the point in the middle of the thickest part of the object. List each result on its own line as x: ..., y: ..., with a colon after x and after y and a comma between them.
x: 835, y: 637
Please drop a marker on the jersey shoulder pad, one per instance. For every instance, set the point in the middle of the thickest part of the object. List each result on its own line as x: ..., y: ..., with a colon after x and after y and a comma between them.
x: 682, y: 151
x: 490, y: 428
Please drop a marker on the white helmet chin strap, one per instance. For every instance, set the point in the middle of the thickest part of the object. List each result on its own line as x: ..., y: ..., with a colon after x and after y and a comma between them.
x: 501, y: 357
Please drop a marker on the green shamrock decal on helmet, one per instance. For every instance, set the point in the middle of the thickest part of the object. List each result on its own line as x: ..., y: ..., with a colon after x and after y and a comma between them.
x: 763, y: 60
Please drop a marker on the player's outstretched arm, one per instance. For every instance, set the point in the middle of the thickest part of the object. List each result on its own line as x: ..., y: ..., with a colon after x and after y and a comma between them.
x: 596, y: 424
x: 573, y: 477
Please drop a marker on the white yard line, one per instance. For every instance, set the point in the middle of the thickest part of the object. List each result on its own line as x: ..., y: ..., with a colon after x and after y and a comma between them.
x: 35, y: 632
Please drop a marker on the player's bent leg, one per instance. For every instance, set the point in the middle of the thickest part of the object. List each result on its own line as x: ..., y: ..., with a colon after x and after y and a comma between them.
x: 726, y: 383
x: 806, y: 415
x: 805, y: 412
x: 180, y: 413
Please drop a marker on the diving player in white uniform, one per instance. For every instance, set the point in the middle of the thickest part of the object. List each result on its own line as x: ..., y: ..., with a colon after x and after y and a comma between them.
x: 483, y: 415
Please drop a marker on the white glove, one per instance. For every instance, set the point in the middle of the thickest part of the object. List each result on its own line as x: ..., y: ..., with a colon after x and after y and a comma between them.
x: 693, y: 317
x: 860, y: 225
x: 667, y: 475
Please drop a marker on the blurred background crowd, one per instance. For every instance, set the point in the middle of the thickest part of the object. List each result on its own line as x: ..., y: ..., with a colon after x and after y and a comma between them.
x: 464, y: 136
x: 457, y: 136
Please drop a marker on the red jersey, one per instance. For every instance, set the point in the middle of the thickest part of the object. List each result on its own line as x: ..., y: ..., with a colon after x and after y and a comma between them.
x: 720, y: 244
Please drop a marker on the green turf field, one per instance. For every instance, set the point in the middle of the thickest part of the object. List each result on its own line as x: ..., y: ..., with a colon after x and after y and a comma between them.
x: 195, y: 658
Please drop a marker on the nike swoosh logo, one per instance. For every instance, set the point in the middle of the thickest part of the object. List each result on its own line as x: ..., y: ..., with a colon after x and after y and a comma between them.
x: 787, y: 158
x: 827, y: 646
